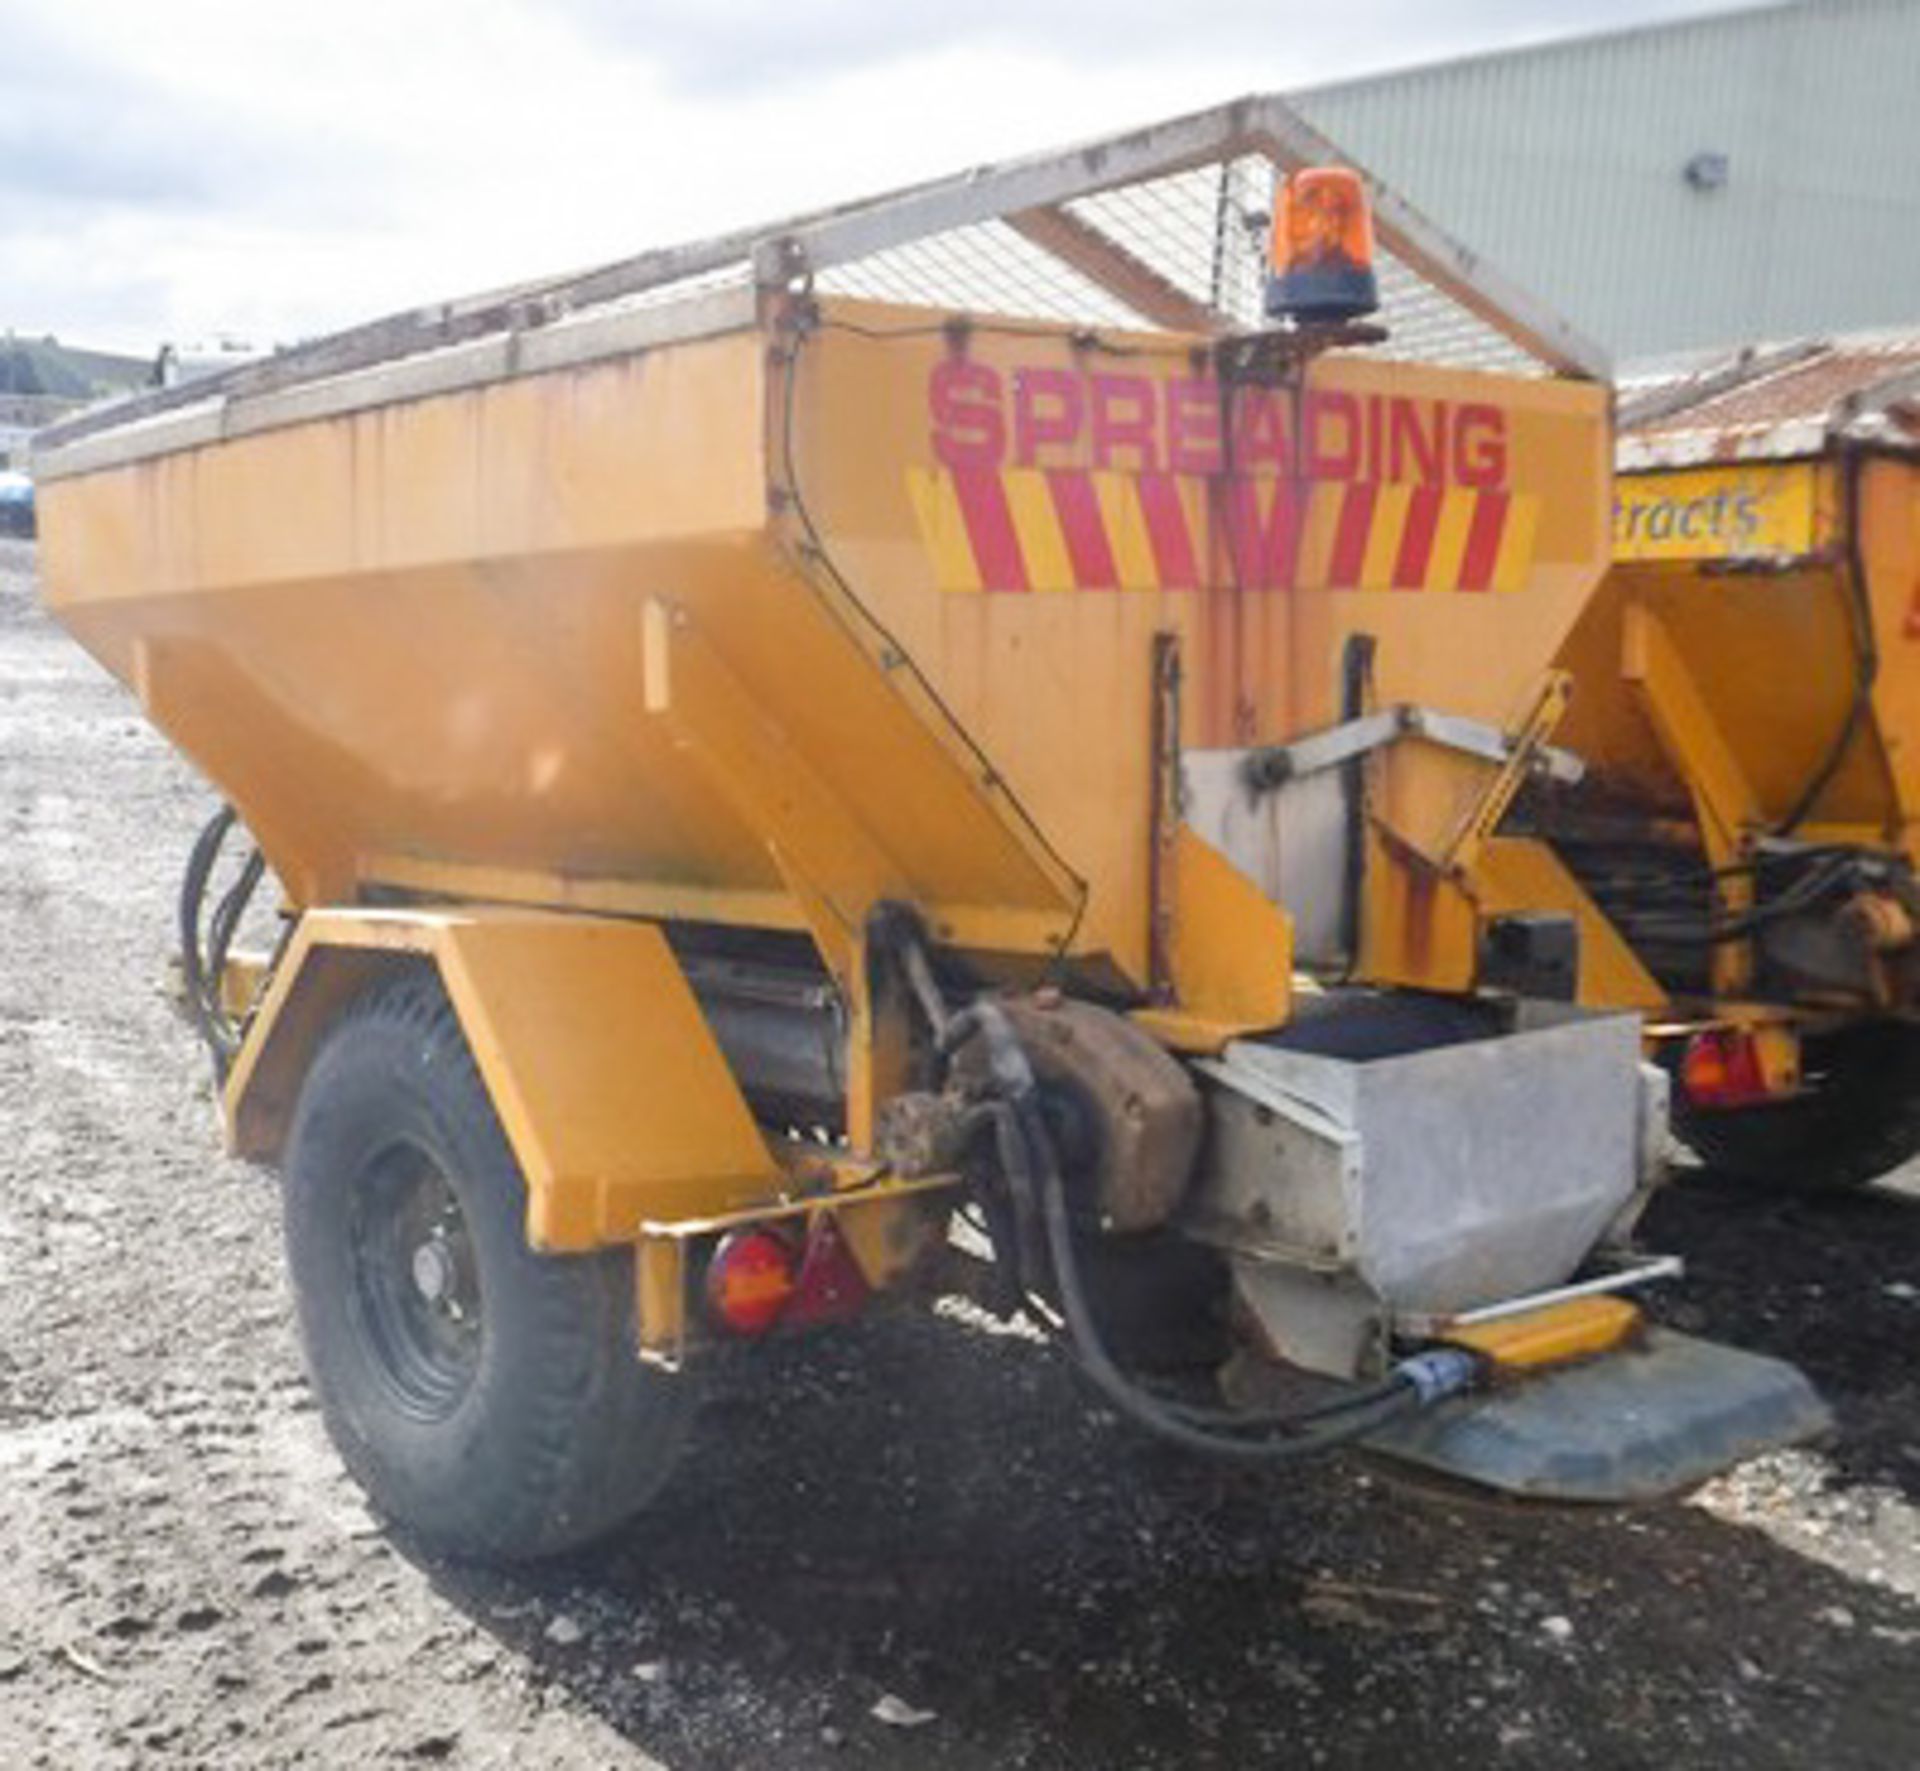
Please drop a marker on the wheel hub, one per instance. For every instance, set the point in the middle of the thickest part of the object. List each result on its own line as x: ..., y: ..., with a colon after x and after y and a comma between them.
x: 433, y: 1271
x: 418, y: 1282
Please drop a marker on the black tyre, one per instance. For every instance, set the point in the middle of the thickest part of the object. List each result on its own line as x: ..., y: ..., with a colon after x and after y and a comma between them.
x: 486, y: 1397
x: 1858, y: 1119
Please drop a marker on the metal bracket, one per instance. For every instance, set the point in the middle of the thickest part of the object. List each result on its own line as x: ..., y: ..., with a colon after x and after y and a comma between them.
x: 1273, y: 766
x: 1421, y: 1327
x: 1522, y: 745
x: 665, y: 1311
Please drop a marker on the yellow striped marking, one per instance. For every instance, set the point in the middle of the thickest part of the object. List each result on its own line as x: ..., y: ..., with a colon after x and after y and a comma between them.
x: 1450, y: 539
x: 1196, y: 504
x: 1037, y: 525
x: 1515, y: 558
x: 1384, y: 528
x: 943, y: 530
x: 936, y: 508
x: 1119, y: 496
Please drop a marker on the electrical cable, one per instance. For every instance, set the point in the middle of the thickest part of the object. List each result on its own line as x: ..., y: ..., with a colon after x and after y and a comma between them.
x: 891, y: 645
x: 1083, y: 338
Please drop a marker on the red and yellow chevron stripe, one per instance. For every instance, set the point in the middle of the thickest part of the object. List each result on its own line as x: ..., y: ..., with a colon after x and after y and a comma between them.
x: 1046, y: 529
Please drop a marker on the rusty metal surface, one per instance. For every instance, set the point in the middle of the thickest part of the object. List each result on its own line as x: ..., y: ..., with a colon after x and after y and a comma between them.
x: 1137, y: 1112
x: 1771, y: 402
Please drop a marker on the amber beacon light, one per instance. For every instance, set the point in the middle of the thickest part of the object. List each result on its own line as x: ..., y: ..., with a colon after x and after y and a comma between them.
x: 1322, y: 248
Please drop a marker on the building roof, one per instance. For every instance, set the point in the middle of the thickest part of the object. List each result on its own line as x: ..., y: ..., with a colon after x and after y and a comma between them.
x: 45, y: 368
x: 1769, y: 402
x: 32, y: 366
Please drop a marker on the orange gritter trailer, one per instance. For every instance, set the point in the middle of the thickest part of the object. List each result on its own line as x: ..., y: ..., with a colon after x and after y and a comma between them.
x: 972, y: 724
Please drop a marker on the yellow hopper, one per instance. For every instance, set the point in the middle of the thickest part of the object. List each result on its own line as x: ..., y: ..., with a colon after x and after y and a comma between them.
x: 1745, y: 682
x: 769, y: 739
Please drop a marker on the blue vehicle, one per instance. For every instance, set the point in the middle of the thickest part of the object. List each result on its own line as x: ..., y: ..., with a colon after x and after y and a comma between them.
x: 16, y: 504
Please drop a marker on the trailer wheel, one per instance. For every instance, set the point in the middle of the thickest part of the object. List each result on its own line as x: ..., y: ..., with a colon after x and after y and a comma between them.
x: 1858, y: 1119
x: 486, y: 1397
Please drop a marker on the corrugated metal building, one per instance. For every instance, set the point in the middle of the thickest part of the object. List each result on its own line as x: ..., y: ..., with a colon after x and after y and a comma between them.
x: 1753, y: 174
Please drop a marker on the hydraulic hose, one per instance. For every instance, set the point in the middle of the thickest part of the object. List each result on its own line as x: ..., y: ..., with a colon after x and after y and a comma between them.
x: 1039, y: 1198
x: 193, y: 896
x: 1802, y: 895
x: 201, y: 964
x: 1240, y: 1419
x: 1310, y: 1432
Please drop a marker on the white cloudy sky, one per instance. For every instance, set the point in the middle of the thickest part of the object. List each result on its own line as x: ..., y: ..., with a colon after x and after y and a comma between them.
x: 273, y: 168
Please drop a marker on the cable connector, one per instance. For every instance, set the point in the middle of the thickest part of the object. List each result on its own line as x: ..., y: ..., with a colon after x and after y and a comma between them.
x: 1438, y: 1373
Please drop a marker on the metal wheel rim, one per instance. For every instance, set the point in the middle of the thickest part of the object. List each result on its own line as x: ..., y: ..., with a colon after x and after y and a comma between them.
x: 416, y: 1282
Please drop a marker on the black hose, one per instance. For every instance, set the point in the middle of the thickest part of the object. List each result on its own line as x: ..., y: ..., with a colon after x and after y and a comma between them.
x: 1658, y: 908
x: 1203, y: 1414
x: 202, y: 962
x: 1038, y: 1193
x: 201, y: 859
x: 1010, y: 1144
x: 1802, y: 895
x: 1314, y: 1431
x: 227, y: 913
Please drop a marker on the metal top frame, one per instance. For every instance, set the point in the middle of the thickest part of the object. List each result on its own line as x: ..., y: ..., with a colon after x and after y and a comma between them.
x: 1104, y: 231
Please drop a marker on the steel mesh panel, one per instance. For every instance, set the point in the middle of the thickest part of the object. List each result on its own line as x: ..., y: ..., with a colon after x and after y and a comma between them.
x: 1180, y: 247
x: 1426, y: 325
x: 986, y: 268
x: 1202, y: 231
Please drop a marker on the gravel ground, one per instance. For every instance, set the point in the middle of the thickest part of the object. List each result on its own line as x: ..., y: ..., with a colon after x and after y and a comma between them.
x: 918, y: 1510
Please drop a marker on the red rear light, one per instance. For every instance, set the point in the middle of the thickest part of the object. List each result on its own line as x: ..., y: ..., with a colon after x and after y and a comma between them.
x: 750, y: 1281
x: 1725, y: 1067
x: 829, y: 1286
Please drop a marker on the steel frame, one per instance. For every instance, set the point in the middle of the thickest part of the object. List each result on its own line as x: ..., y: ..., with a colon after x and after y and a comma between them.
x: 547, y: 324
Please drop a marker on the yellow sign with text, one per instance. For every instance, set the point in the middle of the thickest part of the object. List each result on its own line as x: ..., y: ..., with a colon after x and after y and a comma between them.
x: 1759, y: 511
